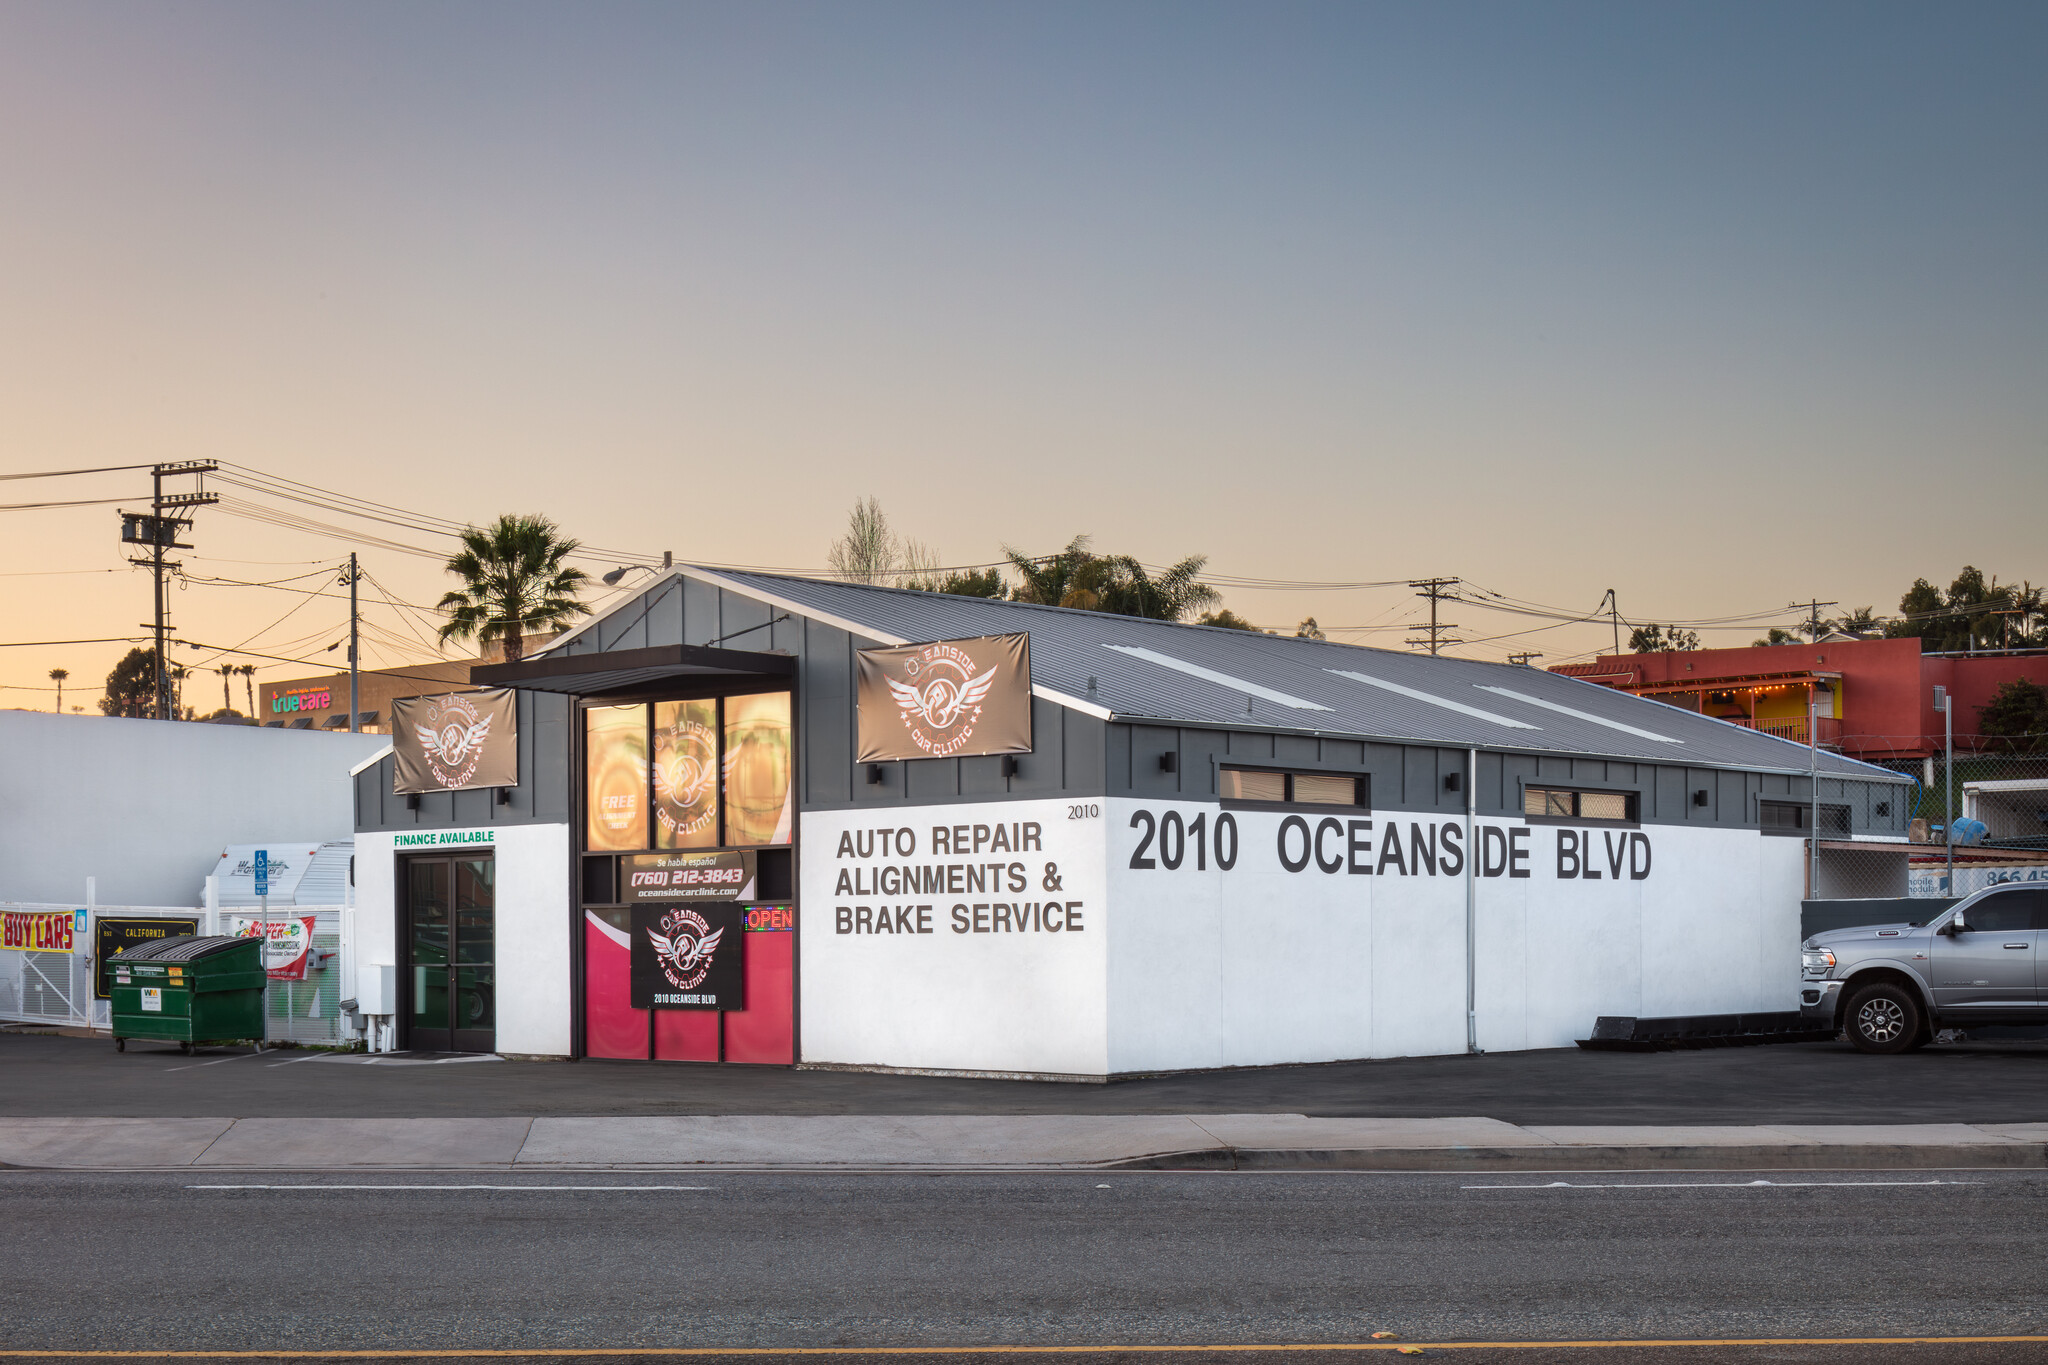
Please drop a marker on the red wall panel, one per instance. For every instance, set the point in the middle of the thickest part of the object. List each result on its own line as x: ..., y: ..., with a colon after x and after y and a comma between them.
x: 611, y: 1026
x: 765, y: 1030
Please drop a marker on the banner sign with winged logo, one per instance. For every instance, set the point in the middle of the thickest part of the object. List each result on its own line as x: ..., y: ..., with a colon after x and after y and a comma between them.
x: 689, y: 957
x: 946, y: 699
x: 455, y: 741
x: 724, y: 875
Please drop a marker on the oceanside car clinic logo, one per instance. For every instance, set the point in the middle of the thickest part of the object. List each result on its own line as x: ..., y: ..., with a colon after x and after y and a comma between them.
x: 941, y: 709
x: 684, y: 945
x: 452, y: 735
x: 683, y: 777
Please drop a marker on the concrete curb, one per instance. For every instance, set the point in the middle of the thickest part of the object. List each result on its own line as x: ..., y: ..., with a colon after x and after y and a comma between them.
x: 1778, y: 1157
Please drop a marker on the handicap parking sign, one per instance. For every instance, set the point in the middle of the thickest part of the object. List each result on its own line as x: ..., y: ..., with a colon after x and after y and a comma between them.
x: 262, y: 871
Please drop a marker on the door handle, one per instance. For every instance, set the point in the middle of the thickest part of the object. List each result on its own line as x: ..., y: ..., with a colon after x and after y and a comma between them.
x: 2019, y: 945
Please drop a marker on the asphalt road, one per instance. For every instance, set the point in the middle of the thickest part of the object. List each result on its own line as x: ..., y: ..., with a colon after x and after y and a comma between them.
x: 114, y: 1262
x: 1991, y: 1082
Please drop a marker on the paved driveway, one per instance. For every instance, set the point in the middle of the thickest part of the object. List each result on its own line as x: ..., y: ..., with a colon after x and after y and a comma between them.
x: 1797, y: 1083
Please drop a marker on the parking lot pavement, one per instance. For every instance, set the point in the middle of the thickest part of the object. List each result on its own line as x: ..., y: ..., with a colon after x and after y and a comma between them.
x: 1806, y: 1083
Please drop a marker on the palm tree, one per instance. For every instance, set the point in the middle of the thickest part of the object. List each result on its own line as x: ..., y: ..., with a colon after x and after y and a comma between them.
x: 513, y: 584
x: 248, y: 672
x: 57, y: 676
x: 1116, y: 584
x: 227, y: 676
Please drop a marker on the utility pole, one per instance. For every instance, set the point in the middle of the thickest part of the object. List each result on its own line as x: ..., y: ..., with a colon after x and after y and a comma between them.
x: 160, y: 533
x: 1613, y: 616
x: 1946, y: 705
x: 1522, y: 659
x: 353, y: 666
x: 1812, y: 609
x: 1436, y: 590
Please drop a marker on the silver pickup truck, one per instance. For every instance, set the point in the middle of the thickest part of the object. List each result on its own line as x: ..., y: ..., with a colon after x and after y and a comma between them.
x: 1892, y: 986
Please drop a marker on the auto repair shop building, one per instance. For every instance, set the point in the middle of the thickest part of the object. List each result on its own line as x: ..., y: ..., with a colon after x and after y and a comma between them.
x: 1144, y: 847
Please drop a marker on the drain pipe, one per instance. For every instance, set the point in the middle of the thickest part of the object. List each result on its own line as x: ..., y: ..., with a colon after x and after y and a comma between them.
x: 1471, y: 906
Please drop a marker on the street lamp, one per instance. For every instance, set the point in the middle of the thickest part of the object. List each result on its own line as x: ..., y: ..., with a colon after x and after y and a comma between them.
x: 611, y: 580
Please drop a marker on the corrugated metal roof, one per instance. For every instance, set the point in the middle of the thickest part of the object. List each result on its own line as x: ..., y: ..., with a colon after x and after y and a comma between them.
x: 1138, y: 670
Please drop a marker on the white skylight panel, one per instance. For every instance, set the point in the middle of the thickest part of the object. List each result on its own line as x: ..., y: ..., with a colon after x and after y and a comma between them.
x: 1220, y: 679
x: 1582, y: 715
x: 1445, y: 702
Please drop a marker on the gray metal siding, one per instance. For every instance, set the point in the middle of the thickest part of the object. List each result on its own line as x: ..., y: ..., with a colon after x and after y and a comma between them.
x: 1410, y: 778
x: 542, y: 796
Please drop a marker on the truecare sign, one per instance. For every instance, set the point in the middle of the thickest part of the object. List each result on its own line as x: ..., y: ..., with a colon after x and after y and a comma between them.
x: 1119, y: 935
x: 968, y: 937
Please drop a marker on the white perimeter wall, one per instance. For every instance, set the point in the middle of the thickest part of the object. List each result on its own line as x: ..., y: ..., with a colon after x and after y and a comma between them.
x: 146, y: 806
x: 1195, y: 966
x: 974, y: 993
x: 1259, y: 965
x: 532, y: 921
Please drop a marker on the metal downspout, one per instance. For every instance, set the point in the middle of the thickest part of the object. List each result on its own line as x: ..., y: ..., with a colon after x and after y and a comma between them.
x: 1471, y: 906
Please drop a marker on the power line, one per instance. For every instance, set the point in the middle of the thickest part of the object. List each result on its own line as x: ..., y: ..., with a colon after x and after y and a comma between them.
x: 61, y: 473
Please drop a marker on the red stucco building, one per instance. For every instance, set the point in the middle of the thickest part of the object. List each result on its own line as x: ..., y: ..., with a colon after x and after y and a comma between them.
x: 1876, y: 696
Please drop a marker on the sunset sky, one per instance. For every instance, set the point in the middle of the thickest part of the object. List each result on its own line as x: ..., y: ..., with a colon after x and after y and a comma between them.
x: 1720, y: 305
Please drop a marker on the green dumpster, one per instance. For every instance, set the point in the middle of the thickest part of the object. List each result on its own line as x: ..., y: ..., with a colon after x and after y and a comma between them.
x: 188, y: 989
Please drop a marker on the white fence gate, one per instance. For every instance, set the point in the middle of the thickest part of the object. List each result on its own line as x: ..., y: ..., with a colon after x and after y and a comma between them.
x: 57, y: 988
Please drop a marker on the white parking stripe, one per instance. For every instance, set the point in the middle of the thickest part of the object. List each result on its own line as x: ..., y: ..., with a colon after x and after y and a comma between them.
x: 1724, y: 1185
x: 608, y: 1188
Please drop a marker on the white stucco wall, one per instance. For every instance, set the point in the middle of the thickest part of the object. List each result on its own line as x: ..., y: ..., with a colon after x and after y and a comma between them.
x: 1200, y: 966
x: 532, y: 947
x: 963, y: 994
x: 1260, y: 965
x: 146, y: 806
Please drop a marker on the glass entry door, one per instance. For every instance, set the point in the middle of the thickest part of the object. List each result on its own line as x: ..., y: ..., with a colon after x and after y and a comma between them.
x: 451, y: 906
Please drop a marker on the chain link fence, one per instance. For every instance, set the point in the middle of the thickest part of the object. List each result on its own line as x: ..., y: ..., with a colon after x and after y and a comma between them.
x: 1980, y: 820
x: 57, y: 989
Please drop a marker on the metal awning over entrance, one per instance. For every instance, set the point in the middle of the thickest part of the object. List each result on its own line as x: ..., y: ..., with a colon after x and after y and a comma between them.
x: 627, y: 671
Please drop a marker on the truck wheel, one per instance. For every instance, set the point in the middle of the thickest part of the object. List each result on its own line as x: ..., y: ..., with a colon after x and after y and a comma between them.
x: 120, y: 1045
x: 185, y: 1048
x: 1882, y: 1018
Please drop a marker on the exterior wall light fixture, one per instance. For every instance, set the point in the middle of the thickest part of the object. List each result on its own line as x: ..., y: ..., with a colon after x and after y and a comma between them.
x: 1169, y: 762
x: 1009, y: 765
x: 874, y: 774
x: 1699, y: 798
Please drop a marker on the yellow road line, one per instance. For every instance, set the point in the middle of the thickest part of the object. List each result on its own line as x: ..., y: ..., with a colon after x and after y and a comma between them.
x: 542, y: 1351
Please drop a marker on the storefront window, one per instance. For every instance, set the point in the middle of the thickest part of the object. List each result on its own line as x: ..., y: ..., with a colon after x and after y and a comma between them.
x: 616, y: 777
x: 686, y: 774
x: 757, y: 763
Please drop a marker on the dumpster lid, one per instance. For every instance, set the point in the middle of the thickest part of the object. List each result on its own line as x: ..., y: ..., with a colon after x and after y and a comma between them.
x: 183, y: 947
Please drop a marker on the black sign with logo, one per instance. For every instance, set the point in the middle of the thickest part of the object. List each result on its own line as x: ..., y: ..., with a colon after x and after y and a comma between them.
x: 690, y: 956
x: 949, y: 698
x: 724, y: 875
x: 110, y: 936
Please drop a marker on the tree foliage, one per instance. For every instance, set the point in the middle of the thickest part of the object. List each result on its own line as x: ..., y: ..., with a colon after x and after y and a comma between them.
x: 1225, y: 618
x: 1115, y: 584
x: 1655, y: 639
x: 972, y: 583
x: 1778, y: 636
x: 131, y: 687
x: 2017, y: 713
x: 1971, y: 614
x: 514, y: 584
x: 867, y: 552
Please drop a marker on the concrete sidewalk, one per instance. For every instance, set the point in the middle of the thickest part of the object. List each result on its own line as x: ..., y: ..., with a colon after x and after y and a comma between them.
x: 1271, y: 1142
